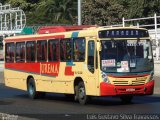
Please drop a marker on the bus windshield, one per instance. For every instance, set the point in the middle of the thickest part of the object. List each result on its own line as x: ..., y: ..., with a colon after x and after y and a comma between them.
x: 126, y: 56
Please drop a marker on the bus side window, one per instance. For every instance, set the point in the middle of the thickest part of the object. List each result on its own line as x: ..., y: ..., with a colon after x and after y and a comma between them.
x: 42, y: 51
x: 30, y: 51
x: 20, y: 52
x: 62, y: 50
x: 9, y: 49
x: 79, y: 49
x: 66, y: 49
x: 53, y: 50
x: 91, y: 47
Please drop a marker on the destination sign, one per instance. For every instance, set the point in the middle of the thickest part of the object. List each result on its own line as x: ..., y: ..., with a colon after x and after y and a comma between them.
x: 123, y: 33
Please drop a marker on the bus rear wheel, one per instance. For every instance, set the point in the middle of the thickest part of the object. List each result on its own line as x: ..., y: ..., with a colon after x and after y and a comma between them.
x: 126, y: 99
x: 31, y: 88
x: 81, y: 93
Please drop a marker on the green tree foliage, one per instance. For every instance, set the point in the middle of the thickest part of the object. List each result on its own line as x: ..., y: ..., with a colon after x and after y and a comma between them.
x: 47, y: 11
x: 3, y: 1
x: 102, y: 12
x: 140, y: 9
x: 22, y: 3
x: 58, y: 11
x: 143, y: 8
x: 27, y: 6
x: 109, y: 12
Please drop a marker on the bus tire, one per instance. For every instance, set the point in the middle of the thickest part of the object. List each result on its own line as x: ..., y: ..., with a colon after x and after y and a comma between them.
x: 31, y: 88
x: 126, y: 99
x: 81, y: 93
x: 76, y: 93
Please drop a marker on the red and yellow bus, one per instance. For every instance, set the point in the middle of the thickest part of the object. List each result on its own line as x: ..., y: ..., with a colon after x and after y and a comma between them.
x: 99, y: 61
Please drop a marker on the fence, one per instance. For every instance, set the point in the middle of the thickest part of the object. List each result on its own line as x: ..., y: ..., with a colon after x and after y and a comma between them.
x: 154, y: 33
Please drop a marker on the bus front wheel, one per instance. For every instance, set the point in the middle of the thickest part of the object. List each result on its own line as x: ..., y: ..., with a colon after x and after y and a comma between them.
x: 81, y: 93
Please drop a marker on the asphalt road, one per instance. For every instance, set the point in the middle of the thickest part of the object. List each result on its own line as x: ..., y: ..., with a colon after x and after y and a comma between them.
x: 58, y: 107
x: 17, y: 102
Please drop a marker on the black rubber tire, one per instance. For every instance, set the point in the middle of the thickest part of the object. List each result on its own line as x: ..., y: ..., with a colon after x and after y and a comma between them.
x: 81, y: 94
x: 126, y: 99
x: 31, y: 88
x: 76, y: 93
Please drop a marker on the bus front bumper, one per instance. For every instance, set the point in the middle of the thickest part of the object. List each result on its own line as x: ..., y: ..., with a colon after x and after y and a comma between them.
x: 112, y: 90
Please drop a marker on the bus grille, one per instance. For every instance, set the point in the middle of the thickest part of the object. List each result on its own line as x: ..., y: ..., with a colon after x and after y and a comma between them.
x: 129, y: 82
x: 140, y: 82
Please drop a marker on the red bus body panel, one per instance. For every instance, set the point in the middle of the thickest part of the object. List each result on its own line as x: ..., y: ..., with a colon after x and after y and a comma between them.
x: 57, y: 29
x: 112, y: 90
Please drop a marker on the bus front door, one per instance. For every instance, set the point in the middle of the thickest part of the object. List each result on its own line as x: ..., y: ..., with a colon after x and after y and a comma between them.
x: 91, y: 73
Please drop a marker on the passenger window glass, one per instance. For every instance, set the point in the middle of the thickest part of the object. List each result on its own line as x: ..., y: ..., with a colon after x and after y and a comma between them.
x: 53, y: 50
x: 79, y: 49
x: 9, y: 49
x: 66, y: 50
x: 30, y: 51
x: 42, y: 51
x: 20, y: 52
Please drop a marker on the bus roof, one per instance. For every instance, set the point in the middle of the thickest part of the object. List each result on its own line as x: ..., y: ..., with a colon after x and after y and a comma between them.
x: 87, y: 32
x: 57, y: 29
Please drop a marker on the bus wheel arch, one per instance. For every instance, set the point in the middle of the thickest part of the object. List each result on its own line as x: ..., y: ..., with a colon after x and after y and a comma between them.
x: 75, y: 86
x: 31, y: 88
x: 77, y: 80
x: 28, y: 78
x: 80, y: 91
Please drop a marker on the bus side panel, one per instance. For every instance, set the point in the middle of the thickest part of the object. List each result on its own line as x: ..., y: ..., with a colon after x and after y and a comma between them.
x: 47, y: 84
x: 64, y: 82
x: 61, y: 84
x: 89, y: 79
x: 15, y: 79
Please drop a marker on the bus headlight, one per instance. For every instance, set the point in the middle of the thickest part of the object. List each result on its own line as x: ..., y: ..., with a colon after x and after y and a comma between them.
x: 105, y: 77
x: 151, y: 76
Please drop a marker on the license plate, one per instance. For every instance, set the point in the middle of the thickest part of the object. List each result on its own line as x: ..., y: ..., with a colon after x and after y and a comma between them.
x: 130, y: 89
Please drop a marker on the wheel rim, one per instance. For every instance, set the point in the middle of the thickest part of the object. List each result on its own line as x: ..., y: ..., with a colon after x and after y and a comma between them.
x: 31, y: 89
x: 81, y: 93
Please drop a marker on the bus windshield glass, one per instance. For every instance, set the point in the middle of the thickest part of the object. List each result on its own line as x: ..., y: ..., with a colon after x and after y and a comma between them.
x: 126, y: 56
